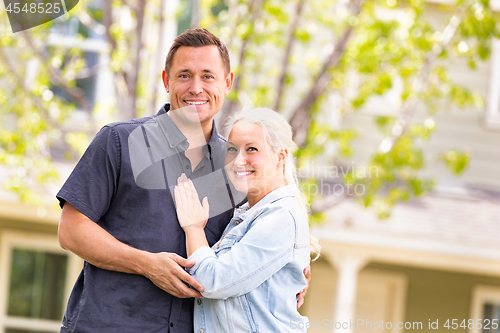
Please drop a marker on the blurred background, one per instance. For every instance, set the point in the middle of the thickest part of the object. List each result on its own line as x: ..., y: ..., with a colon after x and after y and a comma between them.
x: 395, y: 107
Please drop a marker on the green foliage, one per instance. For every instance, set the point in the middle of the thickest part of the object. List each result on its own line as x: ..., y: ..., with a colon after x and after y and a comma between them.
x: 390, y: 51
x: 456, y: 161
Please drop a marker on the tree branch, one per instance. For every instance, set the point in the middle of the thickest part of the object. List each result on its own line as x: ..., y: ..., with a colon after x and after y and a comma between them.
x: 108, y: 21
x: 195, y: 14
x: 20, y: 82
x: 288, y: 52
x: 301, y: 119
x: 76, y: 93
x: 410, y: 106
x: 133, y: 80
x: 256, y: 10
x: 157, y: 57
x: 233, y: 12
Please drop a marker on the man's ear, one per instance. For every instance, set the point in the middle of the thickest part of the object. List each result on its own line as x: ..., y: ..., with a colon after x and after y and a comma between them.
x: 228, y: 82
x: 164, y: 77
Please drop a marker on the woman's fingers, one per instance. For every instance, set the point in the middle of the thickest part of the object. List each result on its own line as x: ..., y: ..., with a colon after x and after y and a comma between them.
x: 205, y: 205
x: 191, y: 190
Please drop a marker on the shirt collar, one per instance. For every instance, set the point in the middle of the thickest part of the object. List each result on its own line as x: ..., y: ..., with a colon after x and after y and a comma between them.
x: 282, y: 192
x: 174, y: 135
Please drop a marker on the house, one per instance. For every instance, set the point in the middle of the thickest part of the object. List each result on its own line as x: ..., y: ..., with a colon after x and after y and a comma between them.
x: 434, y: 265
x: 436, y: 261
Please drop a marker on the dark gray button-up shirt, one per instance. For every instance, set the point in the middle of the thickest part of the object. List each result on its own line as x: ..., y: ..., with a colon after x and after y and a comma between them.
x: 124, y: 183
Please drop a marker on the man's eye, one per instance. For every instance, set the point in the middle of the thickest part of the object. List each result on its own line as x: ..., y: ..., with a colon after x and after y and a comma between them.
x: 208, y: 77
x: 231, y: 149
x: 183, y: 76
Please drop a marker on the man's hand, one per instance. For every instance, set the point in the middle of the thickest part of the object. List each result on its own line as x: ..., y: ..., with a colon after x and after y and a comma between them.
x: 78, y: 234
x: 302, y: 294
x: 166, y: 273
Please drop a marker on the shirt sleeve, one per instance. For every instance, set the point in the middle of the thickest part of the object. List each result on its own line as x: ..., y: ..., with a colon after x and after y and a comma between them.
x: 266, y: 247
x: 91, y: 185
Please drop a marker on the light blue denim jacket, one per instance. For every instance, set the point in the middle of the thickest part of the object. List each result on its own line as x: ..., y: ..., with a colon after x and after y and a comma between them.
x: 253, y: 273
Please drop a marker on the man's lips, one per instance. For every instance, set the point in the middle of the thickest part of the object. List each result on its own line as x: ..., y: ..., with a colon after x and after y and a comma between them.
x: 196, y: 102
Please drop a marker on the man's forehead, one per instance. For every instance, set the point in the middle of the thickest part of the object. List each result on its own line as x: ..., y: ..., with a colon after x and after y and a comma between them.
x: 194, y: 56
x: 201, y: 53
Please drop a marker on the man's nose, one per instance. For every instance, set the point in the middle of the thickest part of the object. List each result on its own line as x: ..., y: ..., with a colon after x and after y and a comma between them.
x: 196, y: 86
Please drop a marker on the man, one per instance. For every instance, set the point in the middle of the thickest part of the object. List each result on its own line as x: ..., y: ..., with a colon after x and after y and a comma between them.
x: 117, y: 210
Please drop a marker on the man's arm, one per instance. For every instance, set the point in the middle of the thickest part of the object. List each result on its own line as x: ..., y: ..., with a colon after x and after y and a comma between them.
x: 80, y: 235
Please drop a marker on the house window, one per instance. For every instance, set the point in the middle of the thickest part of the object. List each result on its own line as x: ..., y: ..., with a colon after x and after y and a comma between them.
x: 33, y: 283
x: 492, y: 118
x: 491, y: 313
x: 485, y: 309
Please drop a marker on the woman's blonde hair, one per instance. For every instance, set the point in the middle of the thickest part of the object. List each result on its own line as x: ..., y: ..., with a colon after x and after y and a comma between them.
x: 278, y: 134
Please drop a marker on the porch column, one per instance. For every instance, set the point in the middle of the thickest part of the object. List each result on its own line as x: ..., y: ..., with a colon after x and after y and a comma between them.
x: 348, y: 267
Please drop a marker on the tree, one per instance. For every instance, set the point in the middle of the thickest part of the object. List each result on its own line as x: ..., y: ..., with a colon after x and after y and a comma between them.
x: 369, y: 49
x: 43, y: 84
x: 276, y: 50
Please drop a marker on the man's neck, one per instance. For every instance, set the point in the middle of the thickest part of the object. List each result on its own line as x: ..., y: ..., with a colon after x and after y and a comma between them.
x: 197, y: 134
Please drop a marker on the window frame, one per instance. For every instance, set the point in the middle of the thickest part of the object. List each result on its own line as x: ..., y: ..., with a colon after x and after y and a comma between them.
x: 480, y: 295
x: 492, y: 114
x: 9, y: 240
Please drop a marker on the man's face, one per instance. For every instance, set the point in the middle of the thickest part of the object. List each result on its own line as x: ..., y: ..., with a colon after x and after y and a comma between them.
x: 197, y: 83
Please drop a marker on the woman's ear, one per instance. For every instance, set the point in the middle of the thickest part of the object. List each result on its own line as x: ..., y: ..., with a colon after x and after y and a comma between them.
x: 282, y: 155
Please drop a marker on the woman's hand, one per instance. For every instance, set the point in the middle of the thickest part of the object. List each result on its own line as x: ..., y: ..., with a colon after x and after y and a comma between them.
x: 190, y: 212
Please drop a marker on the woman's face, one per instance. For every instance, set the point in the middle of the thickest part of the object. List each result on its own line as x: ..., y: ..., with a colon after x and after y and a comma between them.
x: 253, y: 167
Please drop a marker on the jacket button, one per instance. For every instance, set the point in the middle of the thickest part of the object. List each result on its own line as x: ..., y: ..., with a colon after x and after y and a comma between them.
x: 198, y: 301
x: 201, y: 330
x: 236, y: 222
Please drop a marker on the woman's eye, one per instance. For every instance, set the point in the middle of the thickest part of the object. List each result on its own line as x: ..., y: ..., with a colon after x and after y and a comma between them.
x: 231, y: 149
x: 252, y: 149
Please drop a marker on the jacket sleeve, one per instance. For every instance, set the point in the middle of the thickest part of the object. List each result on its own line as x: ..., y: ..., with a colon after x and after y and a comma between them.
x: 266, y: 247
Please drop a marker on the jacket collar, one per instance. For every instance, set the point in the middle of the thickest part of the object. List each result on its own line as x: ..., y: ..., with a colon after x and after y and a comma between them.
x: 245, y: 211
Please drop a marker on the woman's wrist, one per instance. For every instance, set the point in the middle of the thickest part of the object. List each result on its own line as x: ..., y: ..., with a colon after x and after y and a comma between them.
x: 195, y: 227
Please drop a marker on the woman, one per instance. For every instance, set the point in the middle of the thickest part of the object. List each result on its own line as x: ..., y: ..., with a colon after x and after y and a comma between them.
x: 252, y: 274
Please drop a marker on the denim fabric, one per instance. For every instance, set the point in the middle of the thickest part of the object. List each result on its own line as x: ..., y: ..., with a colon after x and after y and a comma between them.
x: 253, y: 273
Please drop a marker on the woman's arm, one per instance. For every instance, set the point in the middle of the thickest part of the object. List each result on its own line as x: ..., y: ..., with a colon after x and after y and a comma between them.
x: 266, y: 247
x: 192, y: 215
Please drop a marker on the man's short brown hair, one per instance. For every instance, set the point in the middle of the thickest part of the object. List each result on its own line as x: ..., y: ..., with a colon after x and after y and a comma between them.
x: 197, y: 38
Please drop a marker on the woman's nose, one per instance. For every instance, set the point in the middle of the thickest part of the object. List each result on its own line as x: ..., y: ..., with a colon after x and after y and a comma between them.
x: 240, y: 159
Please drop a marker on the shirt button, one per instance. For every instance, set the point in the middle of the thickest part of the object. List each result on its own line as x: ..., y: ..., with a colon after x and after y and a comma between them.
x: 198, y: 301
x: 201, y: 330
x: 187, y: 167
x: 171, y: 324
